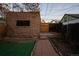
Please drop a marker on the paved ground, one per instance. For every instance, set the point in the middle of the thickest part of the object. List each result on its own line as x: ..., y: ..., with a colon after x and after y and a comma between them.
x: 44, y: 48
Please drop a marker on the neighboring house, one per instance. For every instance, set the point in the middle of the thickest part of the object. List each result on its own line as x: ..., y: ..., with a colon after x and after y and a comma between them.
x: 70, y: 18
x: 23, y: 24
x: 71, y: 26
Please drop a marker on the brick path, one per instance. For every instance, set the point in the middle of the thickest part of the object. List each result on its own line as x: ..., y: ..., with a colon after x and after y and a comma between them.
x: 44, y: 48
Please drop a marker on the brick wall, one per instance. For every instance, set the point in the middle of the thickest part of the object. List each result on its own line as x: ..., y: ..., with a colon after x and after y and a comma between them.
x: 27, y: 31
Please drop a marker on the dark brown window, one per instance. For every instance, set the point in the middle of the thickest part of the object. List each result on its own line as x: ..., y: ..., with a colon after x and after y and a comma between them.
x: 22, y: 23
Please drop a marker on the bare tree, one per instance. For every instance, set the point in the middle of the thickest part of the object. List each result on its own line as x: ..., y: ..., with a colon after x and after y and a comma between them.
x: 17, y: 7
x: 43, y: 21
x: 3, y: 9
x: 31, y: 6
x: 20, y: 7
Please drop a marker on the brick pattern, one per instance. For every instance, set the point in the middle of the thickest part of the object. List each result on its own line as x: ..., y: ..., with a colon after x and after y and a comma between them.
x: 44, y: 48
x: 31, y: 31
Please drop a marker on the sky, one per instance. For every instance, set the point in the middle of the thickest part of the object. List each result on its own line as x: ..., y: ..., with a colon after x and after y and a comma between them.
x: 55, y: 11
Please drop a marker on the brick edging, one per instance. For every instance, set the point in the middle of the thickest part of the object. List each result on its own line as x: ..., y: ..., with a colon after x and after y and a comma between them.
x: 33, y: 48
x: 59, y: 53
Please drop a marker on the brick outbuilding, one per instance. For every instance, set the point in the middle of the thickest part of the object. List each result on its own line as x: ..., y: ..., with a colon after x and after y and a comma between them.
x: 23, y: 24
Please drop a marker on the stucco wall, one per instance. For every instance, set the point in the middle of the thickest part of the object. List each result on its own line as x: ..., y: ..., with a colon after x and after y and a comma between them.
x: 27, y: 31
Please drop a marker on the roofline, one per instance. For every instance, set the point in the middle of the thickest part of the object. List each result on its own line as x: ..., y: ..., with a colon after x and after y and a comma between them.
x: 24, y: 12
x: 68, y: 15
x: 62, y: 18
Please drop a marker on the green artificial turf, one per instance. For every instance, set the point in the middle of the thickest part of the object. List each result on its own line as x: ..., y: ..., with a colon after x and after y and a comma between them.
x: 16, y: 49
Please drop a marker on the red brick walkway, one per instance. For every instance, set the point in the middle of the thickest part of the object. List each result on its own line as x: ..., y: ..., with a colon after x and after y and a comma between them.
x: 44, y: 48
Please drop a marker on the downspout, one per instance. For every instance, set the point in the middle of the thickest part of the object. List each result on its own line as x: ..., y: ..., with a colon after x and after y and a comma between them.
x: 67, y: 28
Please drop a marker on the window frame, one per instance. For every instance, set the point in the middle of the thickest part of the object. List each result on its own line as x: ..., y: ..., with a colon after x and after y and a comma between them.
x: 19, y: 23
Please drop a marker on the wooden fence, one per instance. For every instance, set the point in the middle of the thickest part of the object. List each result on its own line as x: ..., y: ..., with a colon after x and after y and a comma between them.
x: 44, y: 27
